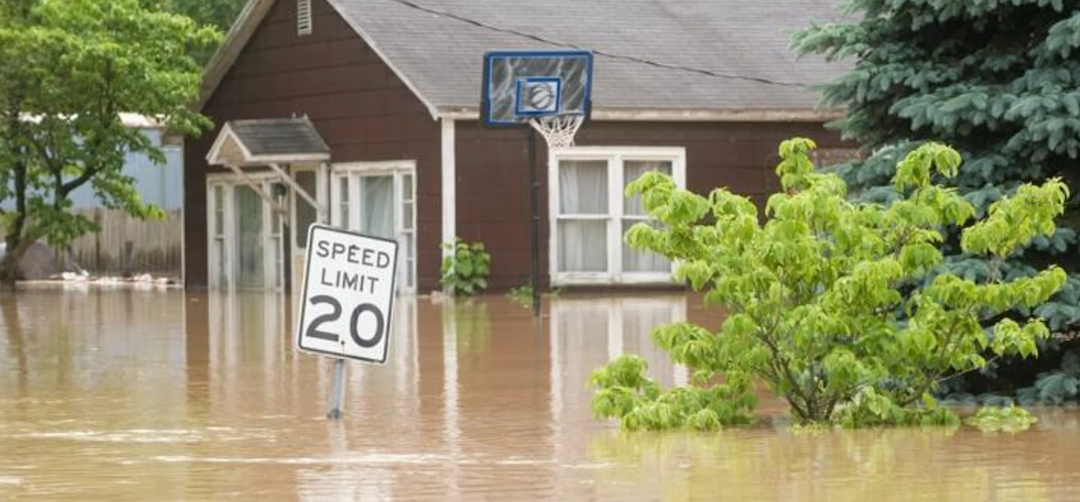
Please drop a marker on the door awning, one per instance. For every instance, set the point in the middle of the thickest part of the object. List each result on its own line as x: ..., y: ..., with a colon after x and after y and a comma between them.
x: 271, y: 143
x: 268, y: 141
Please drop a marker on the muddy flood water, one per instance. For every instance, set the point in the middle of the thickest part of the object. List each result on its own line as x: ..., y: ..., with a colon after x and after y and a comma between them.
x: 153, y: 395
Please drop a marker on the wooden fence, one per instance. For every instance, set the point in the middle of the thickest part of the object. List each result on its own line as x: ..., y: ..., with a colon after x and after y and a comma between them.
x: 127, y: 245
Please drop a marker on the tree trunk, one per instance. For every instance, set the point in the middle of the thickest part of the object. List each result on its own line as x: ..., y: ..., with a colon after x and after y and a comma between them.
x: 17, y: 243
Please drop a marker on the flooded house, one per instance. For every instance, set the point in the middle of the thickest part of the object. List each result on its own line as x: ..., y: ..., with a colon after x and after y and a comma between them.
x: 365, y: 114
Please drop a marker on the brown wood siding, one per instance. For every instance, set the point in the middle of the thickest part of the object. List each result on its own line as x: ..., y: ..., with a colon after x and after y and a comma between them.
x: 492, y: 175
x: 360, y: 107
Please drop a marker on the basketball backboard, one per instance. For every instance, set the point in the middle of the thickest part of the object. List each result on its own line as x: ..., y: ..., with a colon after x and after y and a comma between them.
x: 522, y: 86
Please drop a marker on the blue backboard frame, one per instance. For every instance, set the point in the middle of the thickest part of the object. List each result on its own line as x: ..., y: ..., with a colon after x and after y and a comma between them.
x: 521, y: 119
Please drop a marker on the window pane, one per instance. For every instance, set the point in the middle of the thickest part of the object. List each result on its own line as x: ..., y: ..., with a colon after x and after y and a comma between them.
x: 582, y: 246
x: 583, y: 187
x: 407, y: 218
x: 635, y: 260
x: 632, y: 170
x: 219, y: 259
x: 410, y: 254
x: 406, y: 187
x: 377, y: 206
x: 305, y: 214
x: 219, y: 210
x: 343, y: 208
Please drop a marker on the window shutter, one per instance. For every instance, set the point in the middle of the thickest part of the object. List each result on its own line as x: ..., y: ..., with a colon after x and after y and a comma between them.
x: 303, y: 17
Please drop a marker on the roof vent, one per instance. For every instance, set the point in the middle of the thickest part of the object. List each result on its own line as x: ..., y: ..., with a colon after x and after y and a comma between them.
x: 303, y: 17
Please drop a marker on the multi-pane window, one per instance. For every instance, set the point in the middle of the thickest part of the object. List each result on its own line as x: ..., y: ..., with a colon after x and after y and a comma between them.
x: 591, y: 215
x: 379, y: 199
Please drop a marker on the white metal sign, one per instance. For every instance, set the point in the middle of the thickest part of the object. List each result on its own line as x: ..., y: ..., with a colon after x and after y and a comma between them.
x: 348, y: 295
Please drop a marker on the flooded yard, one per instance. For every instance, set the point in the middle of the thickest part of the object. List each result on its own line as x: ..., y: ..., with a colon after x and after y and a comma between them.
x: 165, y: 395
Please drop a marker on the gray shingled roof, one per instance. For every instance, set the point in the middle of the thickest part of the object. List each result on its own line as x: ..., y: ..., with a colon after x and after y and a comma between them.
x: 278, y: 136
x: 442, y: 56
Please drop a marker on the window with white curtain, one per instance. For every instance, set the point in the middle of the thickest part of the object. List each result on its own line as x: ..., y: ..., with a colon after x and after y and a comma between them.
x: 590, y: 214
x: 379, y: 198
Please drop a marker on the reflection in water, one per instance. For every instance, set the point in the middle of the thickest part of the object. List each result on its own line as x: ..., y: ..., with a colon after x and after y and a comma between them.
x: 171, y: 396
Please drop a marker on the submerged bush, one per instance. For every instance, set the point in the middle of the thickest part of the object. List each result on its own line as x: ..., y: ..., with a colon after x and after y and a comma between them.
x: 1002, y: 418
x: 465, y: 270
x: 841, y: 308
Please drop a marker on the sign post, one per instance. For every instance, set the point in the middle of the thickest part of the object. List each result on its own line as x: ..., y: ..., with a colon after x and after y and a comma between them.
x: 347, y: 300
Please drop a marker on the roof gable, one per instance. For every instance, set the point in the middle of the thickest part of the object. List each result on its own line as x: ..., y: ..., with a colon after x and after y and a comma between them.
x: 246, y: 25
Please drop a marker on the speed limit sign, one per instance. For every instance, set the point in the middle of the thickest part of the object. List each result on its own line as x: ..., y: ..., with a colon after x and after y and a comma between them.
x: 348, y: 295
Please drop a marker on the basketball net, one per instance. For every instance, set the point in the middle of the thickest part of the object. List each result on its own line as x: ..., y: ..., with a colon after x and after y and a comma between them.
x: 558, y: 130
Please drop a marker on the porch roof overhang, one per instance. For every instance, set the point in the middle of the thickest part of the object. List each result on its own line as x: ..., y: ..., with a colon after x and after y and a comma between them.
x: 268, y: 141
x: 271, y: 143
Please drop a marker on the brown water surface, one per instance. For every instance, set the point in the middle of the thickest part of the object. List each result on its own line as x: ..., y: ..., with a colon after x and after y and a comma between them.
x: 150, y: 395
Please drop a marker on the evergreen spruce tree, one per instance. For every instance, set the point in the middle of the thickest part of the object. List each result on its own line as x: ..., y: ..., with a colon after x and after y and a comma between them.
x: 999, y: 80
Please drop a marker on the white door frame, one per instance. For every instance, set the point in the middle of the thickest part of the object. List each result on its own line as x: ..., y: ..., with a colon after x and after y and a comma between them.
x: 272, y: 272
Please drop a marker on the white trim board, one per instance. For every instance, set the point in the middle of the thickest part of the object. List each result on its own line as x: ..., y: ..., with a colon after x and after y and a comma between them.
x: 449, y: 184
x: 600, y: 114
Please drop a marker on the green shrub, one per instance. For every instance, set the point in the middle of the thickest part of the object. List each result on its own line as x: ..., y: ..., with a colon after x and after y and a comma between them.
x: 522, y: 295
x: 840, y: 307
x: 1002, y: 418
x: 466, y: 270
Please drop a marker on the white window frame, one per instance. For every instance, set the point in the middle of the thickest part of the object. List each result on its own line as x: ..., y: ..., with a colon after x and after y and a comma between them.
x: 615, y: 156
x: 273, y: 270
x: 353, y: 171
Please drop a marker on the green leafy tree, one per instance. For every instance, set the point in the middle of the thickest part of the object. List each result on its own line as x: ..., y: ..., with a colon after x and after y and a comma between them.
x: 217, y: 13
x: 998, y: 79
x: 839, y: 307
x: 69, y: 69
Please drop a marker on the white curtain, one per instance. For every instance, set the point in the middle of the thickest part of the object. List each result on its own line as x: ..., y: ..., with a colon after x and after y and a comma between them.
x: 583, y: 190
x: 633, y: 259
x: 377, y: 206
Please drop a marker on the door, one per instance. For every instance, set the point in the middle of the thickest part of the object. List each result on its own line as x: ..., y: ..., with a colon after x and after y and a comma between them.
x: 379, y: 199
x: 244, y: 235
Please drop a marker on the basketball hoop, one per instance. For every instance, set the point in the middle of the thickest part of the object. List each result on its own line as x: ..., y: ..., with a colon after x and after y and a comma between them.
x: 549, y: 91
x: 558, y: 130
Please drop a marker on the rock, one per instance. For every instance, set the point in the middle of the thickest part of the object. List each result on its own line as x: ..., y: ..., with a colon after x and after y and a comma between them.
x: 40, y: 262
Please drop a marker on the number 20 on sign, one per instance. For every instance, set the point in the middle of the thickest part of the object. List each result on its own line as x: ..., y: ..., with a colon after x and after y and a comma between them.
x: 348, y: 295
